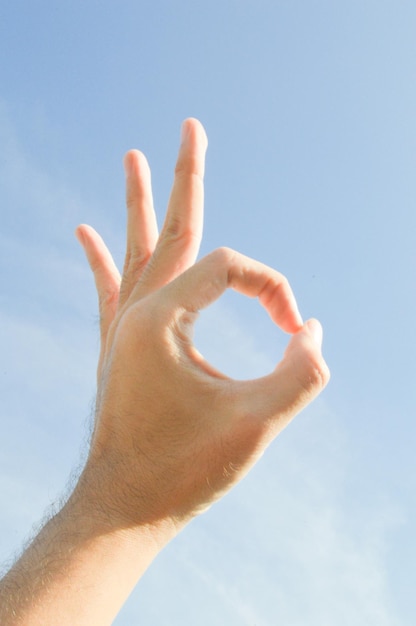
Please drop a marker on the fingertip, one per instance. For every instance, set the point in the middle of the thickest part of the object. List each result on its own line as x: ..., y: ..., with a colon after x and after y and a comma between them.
x: 84, y: 231
x: 304, y: 356
x: 286, y: 314
x: 315, y: 331
x: 133, y: 160
x: 79, y: 234
x: 191, y: 126
x: 298, y: 317
x: 126, y: 162
x: 89, y: 238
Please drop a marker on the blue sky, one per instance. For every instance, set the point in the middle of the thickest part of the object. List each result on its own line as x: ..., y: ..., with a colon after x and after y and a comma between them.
x: 310, y: 113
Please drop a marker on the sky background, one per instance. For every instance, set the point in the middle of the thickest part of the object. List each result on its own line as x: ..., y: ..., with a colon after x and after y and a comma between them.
x: 310, y: 110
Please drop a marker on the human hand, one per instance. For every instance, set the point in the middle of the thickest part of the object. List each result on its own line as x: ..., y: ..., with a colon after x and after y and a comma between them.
x: 172, y: 435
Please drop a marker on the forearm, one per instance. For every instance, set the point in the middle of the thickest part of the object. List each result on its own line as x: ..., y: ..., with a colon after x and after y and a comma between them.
x: 79, y: 569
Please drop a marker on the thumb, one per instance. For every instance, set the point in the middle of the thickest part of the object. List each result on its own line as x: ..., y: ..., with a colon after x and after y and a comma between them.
x: 303, y: 368
x: 300, y: 377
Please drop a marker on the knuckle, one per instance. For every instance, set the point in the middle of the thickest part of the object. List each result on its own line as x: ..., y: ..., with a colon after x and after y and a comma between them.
x: 176, y: 232
x: 223, y: 255
x: 108, y: 301
x: 283, y: 282
x: 315, y: 373
x: 131, y: 197
x: 189, y: 167
x: 276, y: 288
x: 174, y: 229
x: 136, y: 260
x: 223, y: 259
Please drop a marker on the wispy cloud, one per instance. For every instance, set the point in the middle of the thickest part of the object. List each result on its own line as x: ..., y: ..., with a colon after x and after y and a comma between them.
x: 48, y: 340
x: 290, y: 545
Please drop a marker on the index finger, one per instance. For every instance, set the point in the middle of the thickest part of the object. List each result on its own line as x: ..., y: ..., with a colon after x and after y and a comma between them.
x: 224, y: 268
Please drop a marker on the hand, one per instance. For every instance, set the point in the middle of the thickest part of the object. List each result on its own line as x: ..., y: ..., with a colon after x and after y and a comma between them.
x: 172, y: 435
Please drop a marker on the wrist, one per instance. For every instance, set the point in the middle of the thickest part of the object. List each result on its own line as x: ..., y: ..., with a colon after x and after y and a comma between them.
x: 104, y: 504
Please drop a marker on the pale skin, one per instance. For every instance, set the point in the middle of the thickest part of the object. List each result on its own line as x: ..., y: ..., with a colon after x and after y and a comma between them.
x: 172, y: 435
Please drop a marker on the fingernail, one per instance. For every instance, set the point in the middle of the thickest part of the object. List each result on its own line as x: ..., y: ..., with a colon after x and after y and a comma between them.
x: 315, y: 330
x: 79, y: 235
x: 184, y: 131
x: 127, y: 165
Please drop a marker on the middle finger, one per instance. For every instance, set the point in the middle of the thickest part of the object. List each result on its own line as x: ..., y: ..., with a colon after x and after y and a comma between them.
x: 179, y: 241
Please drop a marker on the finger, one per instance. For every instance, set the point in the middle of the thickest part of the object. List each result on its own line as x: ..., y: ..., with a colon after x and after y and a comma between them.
x: 271, y: 402
x: 225, y: 268
x: 180, y: 238
x: 106, y: 275
x: 142, y: 230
